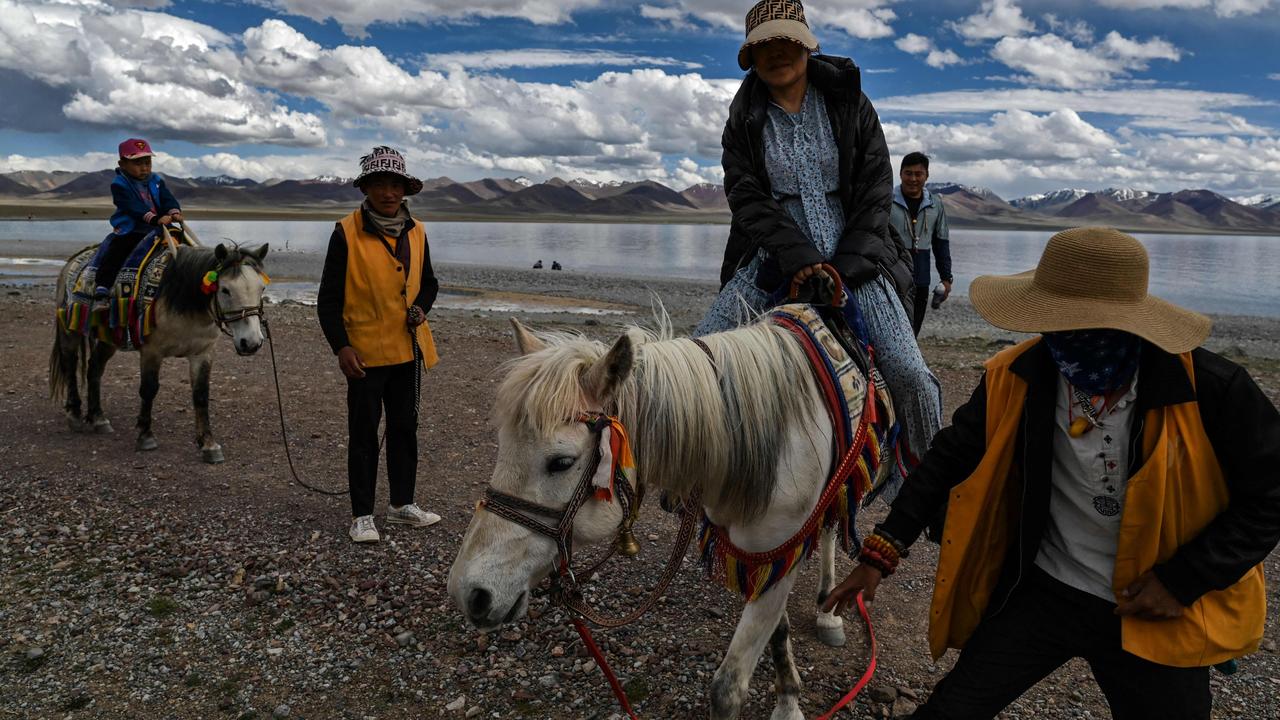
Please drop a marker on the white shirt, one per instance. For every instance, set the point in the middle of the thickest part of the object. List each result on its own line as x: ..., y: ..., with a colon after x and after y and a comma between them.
x: 1089, y: 478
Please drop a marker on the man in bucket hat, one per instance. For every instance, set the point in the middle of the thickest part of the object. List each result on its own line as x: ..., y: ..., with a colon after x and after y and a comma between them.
x: 375, y: 292
x: 1111, y: 489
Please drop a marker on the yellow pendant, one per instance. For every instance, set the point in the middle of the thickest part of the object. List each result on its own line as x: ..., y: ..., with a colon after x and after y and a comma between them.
x: 1079, y: 427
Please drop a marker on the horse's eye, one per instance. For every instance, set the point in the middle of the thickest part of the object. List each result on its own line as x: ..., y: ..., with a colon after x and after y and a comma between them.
x: 226, y: 291
x: 560, y: 464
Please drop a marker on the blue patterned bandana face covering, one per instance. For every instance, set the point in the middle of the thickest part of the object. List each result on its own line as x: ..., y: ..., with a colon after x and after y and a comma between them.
x: 1095, y: 361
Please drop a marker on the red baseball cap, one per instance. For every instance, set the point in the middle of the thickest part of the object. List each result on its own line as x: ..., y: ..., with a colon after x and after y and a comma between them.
x: 135, y: 148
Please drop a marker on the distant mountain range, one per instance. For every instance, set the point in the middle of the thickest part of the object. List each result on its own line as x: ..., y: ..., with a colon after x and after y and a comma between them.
x: 578, y: 199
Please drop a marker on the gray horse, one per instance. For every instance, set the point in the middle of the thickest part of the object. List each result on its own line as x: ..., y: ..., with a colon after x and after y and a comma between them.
x: 187, y: 320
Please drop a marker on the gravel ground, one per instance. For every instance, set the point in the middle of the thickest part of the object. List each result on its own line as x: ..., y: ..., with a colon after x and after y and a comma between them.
x: 154, y: 586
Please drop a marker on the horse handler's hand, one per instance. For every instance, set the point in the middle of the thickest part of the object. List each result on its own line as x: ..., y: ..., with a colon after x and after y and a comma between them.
x: 1149, y: 599
x: 416, y: 316
x: 864, y: 579
x: 350, y: 363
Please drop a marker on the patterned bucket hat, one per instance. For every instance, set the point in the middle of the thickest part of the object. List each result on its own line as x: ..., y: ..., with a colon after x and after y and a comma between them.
x: 384, y: 159
x: 774, y: 20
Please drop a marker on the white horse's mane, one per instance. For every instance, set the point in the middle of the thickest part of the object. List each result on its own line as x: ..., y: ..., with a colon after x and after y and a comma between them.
x: 716, y: 428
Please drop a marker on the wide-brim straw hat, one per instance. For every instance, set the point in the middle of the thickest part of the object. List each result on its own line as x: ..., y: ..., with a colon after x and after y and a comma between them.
x: 1091, y: 277
x: 776, y: 20
x: 386, y: 160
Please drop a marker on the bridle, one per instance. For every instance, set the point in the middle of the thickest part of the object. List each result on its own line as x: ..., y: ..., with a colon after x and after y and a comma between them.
x: 224, y: 318
x: 558, y: 527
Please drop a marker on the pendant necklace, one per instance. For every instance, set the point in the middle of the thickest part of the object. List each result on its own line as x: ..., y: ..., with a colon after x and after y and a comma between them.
x: 1090, y: 417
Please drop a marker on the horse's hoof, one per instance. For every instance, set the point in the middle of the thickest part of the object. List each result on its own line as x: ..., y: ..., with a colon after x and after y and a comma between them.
x: 147, y: 443
x: 102, y: 426
x: 213, y: 455
x: 76, y: 425
x: 831, y: 637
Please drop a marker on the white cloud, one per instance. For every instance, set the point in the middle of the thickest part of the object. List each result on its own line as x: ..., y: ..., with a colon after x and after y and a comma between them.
x: 996, y: 19
x: 1274, y: 76
x: 550, y: 57
x: 355, y: 16
x: 1053, y: 60
x: 920, y: 45
x: 1016, y: 134
x: 1222, y: 8
x: 146, y: 70
x: 1078, y: 30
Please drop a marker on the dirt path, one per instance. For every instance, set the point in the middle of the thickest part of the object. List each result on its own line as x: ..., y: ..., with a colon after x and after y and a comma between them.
x: 154, y: 586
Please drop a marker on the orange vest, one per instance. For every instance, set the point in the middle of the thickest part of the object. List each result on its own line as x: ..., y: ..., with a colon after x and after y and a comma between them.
x: 1175, y: 493
x: 378, y: 295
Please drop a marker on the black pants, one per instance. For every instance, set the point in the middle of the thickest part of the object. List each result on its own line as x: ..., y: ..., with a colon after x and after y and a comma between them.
x: 111, y: 256
x: 390, y: 387
x: 921, y: 304
x: 1045, y: 624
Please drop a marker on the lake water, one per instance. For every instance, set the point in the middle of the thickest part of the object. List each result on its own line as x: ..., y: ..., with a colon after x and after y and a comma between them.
x: 1234, y: 274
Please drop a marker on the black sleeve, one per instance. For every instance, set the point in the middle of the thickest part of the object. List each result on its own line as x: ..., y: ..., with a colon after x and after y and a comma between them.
x: 1244, y: 429
x: 331, y: 299
x: 872, y: 183
x: 757, y: 212
x: 952, y: 457
x: 942, y: 243
x: 429, y: 286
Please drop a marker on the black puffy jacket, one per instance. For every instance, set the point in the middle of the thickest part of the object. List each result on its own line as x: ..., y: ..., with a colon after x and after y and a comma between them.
x: 866, y: 187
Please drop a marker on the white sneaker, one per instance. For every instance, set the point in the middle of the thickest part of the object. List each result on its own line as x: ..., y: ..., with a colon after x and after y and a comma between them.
x: 363, y: 530
x: 411, y: 514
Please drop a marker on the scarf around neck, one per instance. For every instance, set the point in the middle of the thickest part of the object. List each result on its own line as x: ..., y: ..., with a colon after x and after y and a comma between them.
x: 1096, y: 361
x: 389, y: 226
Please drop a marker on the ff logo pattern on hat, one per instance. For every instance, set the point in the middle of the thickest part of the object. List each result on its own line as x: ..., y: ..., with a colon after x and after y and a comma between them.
x: 385, y: 159
x: 768, y: 10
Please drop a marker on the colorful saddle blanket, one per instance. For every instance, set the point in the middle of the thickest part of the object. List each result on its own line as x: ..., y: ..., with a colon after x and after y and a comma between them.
x: 861, y: 413
x: 128, y: 316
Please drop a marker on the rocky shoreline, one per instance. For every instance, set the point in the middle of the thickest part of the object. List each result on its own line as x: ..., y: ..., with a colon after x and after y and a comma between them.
x: 141, y: 585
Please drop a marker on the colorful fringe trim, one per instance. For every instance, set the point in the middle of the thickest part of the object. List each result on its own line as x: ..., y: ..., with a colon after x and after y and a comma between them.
x: 860, y: 451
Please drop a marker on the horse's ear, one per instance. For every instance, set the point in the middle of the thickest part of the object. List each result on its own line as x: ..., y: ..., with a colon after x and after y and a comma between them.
x: 220, y: 252
x: 607, y: 374
x: 526, y: 341
x: 259, y: 253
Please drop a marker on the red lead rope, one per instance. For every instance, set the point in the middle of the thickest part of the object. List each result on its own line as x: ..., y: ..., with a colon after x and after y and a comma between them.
x: 585, y: 633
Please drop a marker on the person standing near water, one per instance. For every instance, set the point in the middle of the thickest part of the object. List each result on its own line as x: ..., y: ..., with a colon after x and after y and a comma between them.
x: 375, y: 293
x: 809, y: 182
x: 921, y: 221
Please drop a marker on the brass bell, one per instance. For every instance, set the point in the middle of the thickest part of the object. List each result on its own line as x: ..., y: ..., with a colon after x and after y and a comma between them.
x: 626, y: 543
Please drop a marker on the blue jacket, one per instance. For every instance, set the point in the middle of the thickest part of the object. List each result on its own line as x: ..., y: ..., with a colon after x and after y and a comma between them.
x: 134, y: 211
x: 929, y: 233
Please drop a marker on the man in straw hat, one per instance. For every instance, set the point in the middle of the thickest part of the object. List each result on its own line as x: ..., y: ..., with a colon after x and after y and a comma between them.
x: 375, y: 293
x: 1112, y: 491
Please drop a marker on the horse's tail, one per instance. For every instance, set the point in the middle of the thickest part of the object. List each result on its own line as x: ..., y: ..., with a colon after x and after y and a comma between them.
x: 58, y: 378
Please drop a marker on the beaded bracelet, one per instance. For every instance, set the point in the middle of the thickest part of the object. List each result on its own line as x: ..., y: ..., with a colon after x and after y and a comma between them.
x: 897, y: 545
x: 880, y: 554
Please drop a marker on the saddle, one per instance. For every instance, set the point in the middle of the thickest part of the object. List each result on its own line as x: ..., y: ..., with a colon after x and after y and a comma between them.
x: 126, y: 318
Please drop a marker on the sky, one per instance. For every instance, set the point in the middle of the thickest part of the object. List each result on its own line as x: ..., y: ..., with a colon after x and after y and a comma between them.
x: 1019, y: 96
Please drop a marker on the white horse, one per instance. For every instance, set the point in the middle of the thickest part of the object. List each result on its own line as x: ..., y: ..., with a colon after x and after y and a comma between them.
x: 187, y: 323
x: 749, y: 433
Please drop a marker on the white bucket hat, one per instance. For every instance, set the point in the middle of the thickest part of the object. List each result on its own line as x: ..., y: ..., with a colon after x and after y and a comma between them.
x: 384, y: 159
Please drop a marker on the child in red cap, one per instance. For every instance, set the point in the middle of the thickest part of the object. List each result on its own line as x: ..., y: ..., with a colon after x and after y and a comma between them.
x: 143, y: 203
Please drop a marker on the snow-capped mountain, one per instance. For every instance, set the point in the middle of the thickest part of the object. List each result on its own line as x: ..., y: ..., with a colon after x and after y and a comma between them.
x: 1057, y: 198
x: 985, y: 193
x: 523, y: 181
x: 1122, y: 195
x: 1263, y: 201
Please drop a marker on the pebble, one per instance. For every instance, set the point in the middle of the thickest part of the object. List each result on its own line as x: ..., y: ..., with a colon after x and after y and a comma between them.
x: 34, y: 654
x: 281, y: 712
x: 474, y: 711
x: 404, y: 639
x: 457, y: 705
